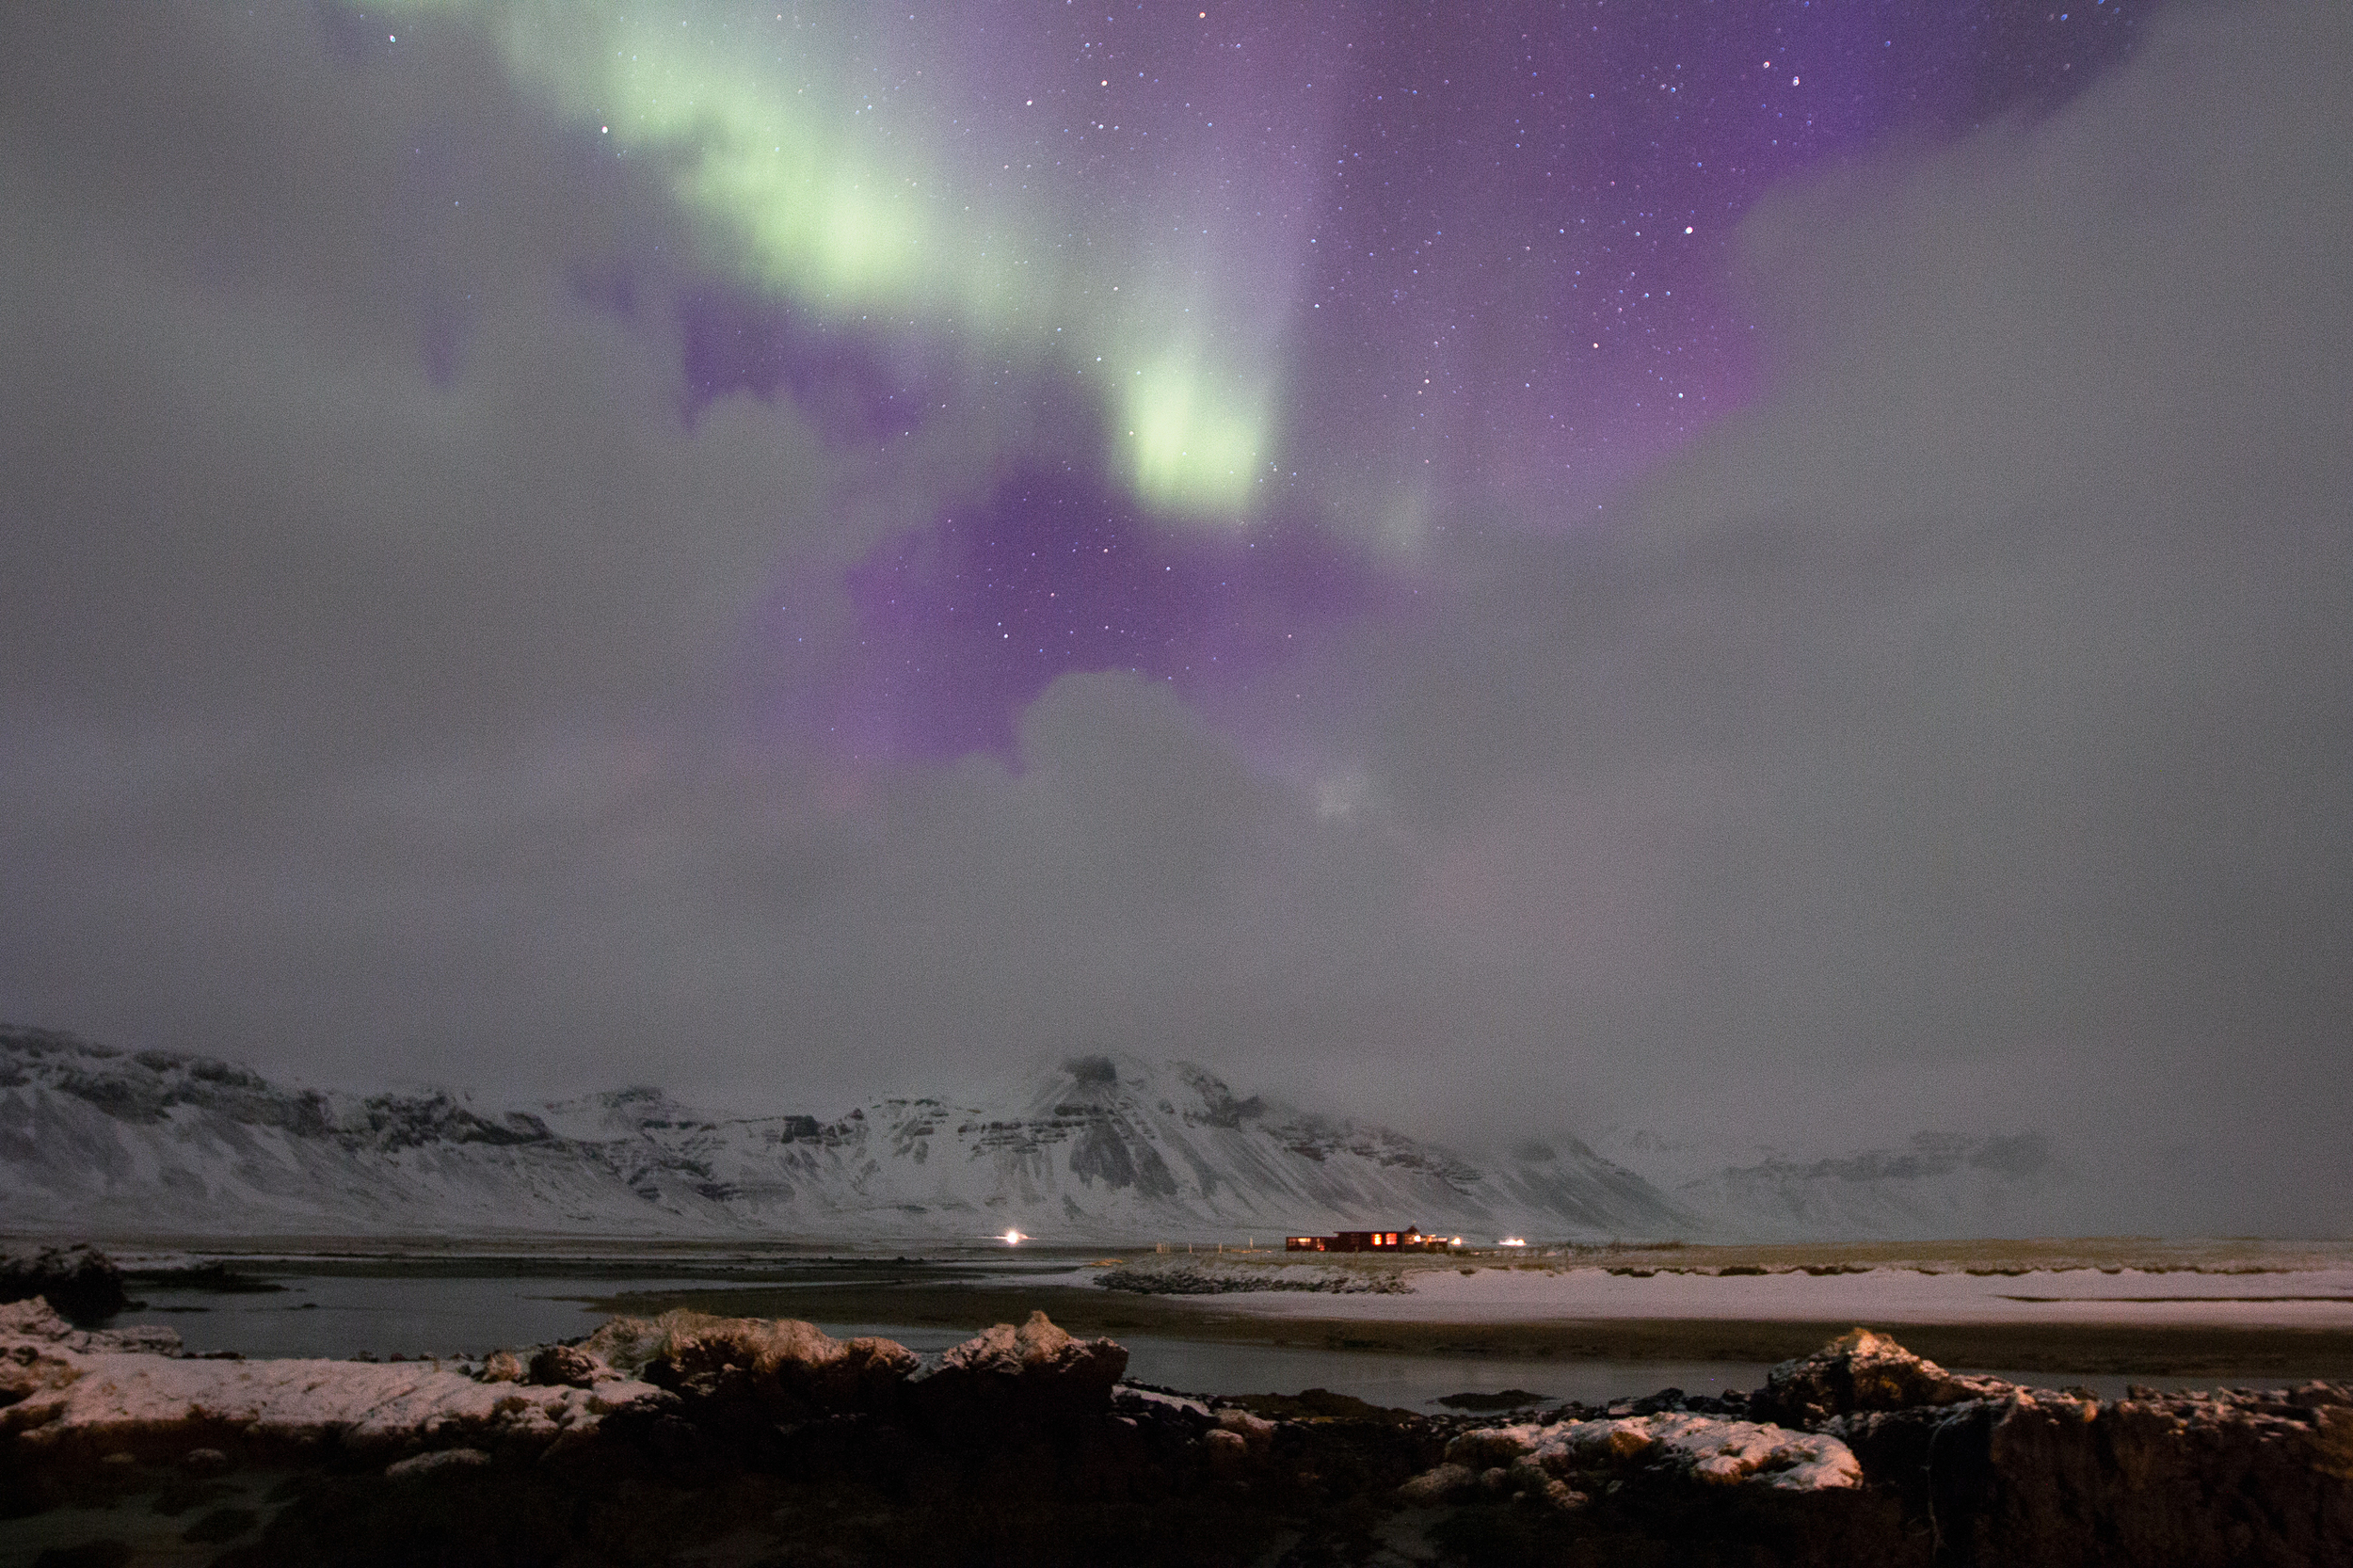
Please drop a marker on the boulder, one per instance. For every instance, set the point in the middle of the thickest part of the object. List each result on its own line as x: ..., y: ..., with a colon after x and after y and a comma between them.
x: 1256, y: 1434
x: 1239, y: 1445
x: 35, y: 1322
x: 79, y: 1280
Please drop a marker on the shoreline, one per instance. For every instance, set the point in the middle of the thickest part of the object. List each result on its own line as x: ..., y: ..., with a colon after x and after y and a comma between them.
x: 2214, y: 1310
x: 2225, y: 1353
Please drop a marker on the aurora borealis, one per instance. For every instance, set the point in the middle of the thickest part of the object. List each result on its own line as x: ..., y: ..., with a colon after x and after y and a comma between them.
x: 1635, y: 564
x: 1218, y: 245
x: 953, y: 179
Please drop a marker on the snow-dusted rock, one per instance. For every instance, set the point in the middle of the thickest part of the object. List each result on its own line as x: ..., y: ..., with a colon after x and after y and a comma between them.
x: 1718, y: 1453
x: 1036, y: 1349
x: 1256, y: 1432
x: 35, y: 1322
x: 1035, y: 1369
x: 1552, y: 1462
x: 769, y: 1361
x: 1860, y: 1369
x: 2011, y: 1474
x: 1239, y: 1445
x: 74, y: 1393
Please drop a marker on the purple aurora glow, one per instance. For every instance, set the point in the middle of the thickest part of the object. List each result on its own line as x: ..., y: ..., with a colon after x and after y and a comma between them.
x: 1516, y: 288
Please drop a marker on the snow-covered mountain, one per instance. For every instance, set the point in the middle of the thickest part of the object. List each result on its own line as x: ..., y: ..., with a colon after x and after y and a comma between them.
x: 1936, y: 1184
x: 1105, y: 1148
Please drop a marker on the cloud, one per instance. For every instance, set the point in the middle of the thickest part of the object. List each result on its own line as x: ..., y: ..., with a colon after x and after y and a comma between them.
x: 1958, y: 737
x: 1960, y: 733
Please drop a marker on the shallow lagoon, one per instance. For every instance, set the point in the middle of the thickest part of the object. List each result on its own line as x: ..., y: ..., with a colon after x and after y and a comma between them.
x: 389, y: 1313
x: 347, y: 1305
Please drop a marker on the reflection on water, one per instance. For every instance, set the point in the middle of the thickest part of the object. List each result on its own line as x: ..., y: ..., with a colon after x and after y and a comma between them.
x: 450, y: 1312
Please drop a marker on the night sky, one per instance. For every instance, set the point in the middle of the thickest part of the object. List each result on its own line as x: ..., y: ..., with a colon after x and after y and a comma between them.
x: 1777, y: 573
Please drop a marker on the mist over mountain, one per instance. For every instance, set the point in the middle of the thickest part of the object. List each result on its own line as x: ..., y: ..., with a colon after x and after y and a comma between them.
x: 1930, y: 1185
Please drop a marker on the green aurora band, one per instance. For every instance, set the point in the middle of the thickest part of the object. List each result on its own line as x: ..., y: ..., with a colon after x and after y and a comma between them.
x: 801, y: 142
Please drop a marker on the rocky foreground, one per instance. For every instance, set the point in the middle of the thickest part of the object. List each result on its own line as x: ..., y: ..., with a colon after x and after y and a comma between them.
x: 696, y: 1439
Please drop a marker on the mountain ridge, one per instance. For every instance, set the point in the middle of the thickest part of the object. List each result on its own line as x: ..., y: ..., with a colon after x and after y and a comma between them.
x: 1112, y: 1148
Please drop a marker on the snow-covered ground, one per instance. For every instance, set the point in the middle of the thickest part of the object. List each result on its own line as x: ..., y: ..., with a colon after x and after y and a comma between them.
x: 2310, y: 1297
x: 108, y: 1390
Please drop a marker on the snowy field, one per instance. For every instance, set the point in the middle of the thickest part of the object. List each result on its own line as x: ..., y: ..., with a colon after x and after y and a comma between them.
x: 2128, y: 1283
x: 2303, y: 1299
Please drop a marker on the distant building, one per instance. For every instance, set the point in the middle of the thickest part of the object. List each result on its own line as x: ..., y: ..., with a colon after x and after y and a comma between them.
x: 1410, y: 1238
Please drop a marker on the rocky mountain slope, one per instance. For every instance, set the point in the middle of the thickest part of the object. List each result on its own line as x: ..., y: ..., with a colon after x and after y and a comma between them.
x: 96, y: 1141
